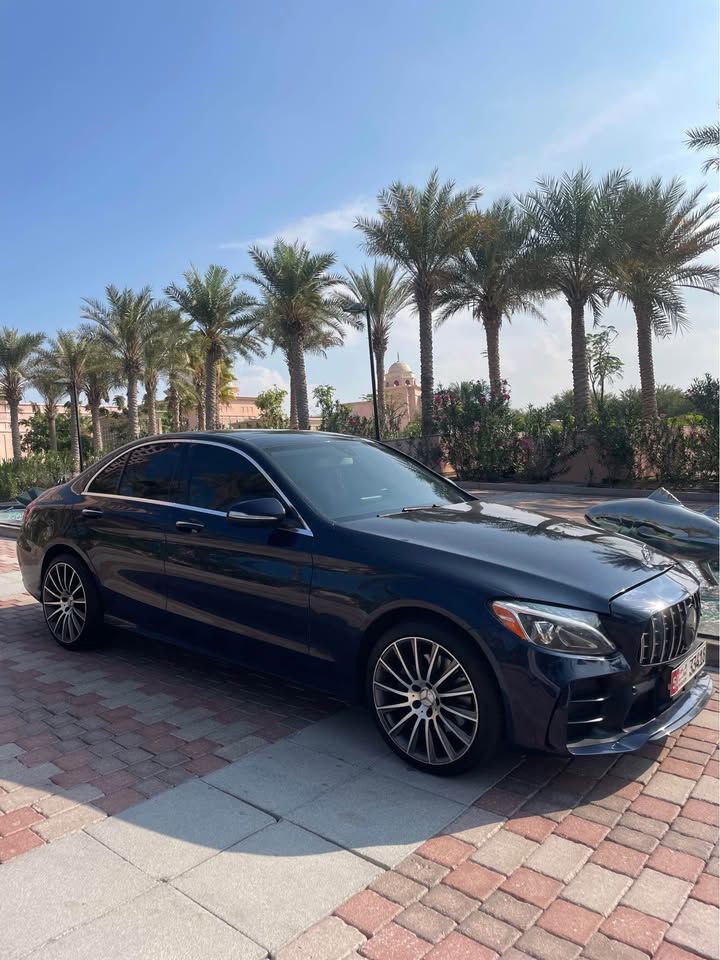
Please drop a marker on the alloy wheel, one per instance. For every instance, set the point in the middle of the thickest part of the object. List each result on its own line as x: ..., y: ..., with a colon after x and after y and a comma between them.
x: 64, y: 603
x: 425, y: 700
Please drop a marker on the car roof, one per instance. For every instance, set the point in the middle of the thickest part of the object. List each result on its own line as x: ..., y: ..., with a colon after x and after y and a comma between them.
x: 266, y: 439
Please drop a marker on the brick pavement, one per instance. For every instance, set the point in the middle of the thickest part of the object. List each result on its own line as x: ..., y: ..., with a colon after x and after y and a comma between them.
x: 597, y: 858
x: 85, y: 736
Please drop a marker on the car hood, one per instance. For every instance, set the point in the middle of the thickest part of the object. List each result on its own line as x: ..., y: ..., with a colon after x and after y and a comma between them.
x: 531, y: 554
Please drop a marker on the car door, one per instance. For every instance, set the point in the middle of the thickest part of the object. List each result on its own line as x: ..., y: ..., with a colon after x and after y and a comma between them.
x: 242, y: 591
x: 121, y: 525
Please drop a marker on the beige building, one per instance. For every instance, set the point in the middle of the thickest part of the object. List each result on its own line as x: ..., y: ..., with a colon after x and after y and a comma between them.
x: 233, y: 414
x: 402, y: 394
x: 26, y: 411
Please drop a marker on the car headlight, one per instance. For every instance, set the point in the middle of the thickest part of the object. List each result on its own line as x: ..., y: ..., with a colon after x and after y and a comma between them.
x: 555, y: 628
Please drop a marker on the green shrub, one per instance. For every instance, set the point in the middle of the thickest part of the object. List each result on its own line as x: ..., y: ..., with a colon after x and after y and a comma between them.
x: 477, y: 430
x: 545, y: 444
x: 35, y: 470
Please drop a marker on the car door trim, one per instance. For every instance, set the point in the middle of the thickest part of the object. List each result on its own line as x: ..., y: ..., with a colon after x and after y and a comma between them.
x: 302, y: 531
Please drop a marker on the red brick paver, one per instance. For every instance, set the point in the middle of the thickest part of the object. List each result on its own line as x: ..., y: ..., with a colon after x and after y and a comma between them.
x: 119, y: 724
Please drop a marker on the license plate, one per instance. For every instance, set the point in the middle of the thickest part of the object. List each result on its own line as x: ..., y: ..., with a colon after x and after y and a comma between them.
x: 686, y: 671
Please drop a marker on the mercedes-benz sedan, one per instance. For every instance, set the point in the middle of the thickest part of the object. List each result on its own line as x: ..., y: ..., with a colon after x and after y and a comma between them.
x: 344, y: 565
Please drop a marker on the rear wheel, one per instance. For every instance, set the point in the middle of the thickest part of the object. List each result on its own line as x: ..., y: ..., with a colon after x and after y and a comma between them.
x: 71, y: 603
x: 432, y: 698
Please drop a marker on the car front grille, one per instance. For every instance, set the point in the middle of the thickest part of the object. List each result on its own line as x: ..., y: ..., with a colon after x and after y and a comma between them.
x: 665, y: 636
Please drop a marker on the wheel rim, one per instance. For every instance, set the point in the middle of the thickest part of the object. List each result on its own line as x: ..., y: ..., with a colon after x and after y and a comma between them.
x: 64, y: 602
x: 425, y: 700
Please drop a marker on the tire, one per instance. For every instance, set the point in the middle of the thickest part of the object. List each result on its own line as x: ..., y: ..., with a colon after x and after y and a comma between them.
x: 71, y: 603
x: 419, y: 720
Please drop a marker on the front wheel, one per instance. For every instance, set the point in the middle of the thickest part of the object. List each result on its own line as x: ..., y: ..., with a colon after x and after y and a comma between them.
x: 433, y: 700
x: 70, y: 602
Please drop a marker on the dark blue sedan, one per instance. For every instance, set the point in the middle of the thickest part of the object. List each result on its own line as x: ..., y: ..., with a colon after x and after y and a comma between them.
x: 346, y: 566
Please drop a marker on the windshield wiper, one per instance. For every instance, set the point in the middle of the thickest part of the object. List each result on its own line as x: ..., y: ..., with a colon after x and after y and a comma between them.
x: 427, y: 506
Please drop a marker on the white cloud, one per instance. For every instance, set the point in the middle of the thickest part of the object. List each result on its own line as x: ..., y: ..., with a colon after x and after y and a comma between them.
x: 618, y: 113
x: 313, y: 228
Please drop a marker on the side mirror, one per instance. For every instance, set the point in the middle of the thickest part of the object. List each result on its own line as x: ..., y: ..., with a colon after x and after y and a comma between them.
x: 265, y: 511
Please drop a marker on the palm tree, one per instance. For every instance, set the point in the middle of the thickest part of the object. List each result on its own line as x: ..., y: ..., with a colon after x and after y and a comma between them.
x: 165, y: 326
x: 383, y: 294
x: 706, y: 138
x: 222, y: 315
x: 661, y: 230
x: 122, y: 327
x: 177, y: 366
x: 570, y: 220
x: 298, y: 305
x: 68, y: 354
x: 318, y: 340
x: 101, y: 375
x: 421, y: 230
x: 16, y: 360
x: 44, y: 380
x: 196, y: 369
x: 492, y: 279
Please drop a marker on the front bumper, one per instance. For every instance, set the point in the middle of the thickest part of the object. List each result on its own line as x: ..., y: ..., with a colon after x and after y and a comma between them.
x: 681, y: 711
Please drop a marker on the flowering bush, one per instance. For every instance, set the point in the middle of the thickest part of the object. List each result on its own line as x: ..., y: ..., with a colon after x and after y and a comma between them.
x: 477, y: 430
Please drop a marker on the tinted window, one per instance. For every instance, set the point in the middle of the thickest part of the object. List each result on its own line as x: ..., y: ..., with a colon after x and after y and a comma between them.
x: 351, y: 478
x: 220, y: 478
x: 152, y: 472
x: 107, y: 480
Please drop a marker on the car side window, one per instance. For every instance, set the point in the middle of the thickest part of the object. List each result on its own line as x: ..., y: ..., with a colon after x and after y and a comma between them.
x: 219, y: 478
x: 107, y: 480
x: 152, y: 472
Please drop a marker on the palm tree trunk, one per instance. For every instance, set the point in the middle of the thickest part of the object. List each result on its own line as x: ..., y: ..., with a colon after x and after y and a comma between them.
x: 14, y: 406
x: 151, y: 400
x: 200, y: 410
x: 491, y: 322
x: 296, y: 356
x: 97, y: 436
x: 424, y: 307
x: 51, y: 414
x: 380, y: 377
x: 74, y: 438
x: 174, y: 404
x: 293, y: 404
x: 581, y: 384
x: 132, y: 408
x: 645, y: 359
x: 211, y: 372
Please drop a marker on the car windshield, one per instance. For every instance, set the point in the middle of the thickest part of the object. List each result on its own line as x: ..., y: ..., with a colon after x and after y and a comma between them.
x: 351, y: 479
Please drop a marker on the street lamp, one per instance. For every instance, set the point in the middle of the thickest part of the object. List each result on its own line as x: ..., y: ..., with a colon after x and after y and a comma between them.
x: 358, y: 309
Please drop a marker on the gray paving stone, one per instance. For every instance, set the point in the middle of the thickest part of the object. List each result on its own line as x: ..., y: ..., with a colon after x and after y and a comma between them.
x: 666, y: 786
x: 331, y: 939
x: 159, y: 925
x: 275, y: 884
x: 698, y: 929
x: 707, y: 788
x: 282, y: 776
x: 59, y: 887
x: 504, y: 851
x: 657, y: 894
x: 348, y: 735
x: 381, y: 818
x: 558, y: 858
x: 178, y: 829
x: 597, y: 889
x: 464, y: 789
x: 10, y: 750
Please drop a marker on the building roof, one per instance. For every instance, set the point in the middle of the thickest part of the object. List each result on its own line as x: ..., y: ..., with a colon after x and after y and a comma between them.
x: 400, y: 368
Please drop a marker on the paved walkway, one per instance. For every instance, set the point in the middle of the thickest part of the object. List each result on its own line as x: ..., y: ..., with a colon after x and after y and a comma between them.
x: 279, y: 825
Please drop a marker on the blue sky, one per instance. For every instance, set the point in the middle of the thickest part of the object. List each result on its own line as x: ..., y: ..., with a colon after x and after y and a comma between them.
x: 140, y: 136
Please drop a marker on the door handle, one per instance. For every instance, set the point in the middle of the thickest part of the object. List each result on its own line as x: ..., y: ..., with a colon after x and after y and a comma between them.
x: 189, y: 526
x: 91, y: 512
